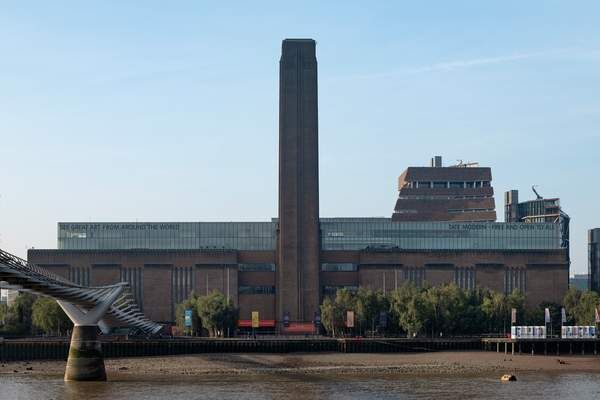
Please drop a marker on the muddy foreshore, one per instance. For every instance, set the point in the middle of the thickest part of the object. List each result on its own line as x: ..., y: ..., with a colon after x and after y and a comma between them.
x: 224, y: 364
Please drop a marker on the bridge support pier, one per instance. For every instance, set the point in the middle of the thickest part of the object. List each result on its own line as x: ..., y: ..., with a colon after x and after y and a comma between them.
x: 85, y: 362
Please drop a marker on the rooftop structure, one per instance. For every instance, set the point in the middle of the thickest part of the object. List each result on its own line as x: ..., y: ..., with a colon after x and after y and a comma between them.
x: 539, y: 210
x: 461, y: 192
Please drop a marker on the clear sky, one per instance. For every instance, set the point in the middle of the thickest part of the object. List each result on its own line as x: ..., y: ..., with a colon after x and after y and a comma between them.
x: 168, y: 111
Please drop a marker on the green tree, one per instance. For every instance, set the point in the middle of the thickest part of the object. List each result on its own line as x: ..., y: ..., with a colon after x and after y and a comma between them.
x: 580, y: 306
x: 369, y: 306
x: 3, y: 314
x: 495, y: 309
x: 217, y: 314
x: 328, y: 316
x: 452, y: 307
x: 410, y: 309
x: 571, y: 302
x: 17, y: 318
x: 188, y: 304
x: 399, y: 300
x: 473, y: 320
x: 48, y: 317
x: 585, y: 310
x: 417, y: 313
x: 333, y: 312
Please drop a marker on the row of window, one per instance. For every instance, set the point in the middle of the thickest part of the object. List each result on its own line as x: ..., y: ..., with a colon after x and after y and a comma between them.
x: 469, y: 210
x: 256, y: 289
x: 448, y: 184
x: 330, y: 291
x: 464, y: 278
x: 259, y: 267
x: 339, y: 267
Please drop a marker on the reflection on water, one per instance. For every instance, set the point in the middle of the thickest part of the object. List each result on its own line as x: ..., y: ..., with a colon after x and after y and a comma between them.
x: 529, y: 386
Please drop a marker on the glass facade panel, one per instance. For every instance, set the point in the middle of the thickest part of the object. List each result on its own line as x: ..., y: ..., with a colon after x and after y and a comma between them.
x: 382, y: 233
x: 339, y: 267
x: 336, y: 234
x: 259, y: 267
x: 185, y: 235
x: 256, y: 290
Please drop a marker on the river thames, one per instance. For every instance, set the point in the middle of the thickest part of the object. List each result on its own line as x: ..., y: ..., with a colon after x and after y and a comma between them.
x: 529, y: 386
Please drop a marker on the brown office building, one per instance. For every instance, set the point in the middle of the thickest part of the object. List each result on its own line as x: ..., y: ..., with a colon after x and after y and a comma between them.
x: 284, y: 267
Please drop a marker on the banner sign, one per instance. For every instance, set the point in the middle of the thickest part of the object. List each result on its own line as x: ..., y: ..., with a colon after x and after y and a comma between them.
x: 187, y: 321
x: 255, y: 320
x: 578, y: 332
x: 563, y: 316
x: 513, y: 316
x: 547, y: 315
x: 350, y: 319
x: 528, y: 332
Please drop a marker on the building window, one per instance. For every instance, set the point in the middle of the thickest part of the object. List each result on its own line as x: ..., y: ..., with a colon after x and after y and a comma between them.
x: 258, y: 267
x: 182, y: 283
x: 80, y: 276
x: 331, y: 291
x: 515, y: 278
x: 339, y: 267
x: 256, y: 290
x: 414, y: 275
x: 135, y: 278
x: 440, y: 184
x: 423, y: 184
x: 465, y: 278
x: 457, y: 185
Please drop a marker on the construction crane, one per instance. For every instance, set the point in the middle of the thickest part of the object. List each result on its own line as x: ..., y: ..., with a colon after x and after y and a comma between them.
x: 465, y: 165
x: 536, y: 193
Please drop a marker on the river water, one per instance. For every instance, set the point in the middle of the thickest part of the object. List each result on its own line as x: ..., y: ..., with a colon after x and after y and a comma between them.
x: 529, y: 386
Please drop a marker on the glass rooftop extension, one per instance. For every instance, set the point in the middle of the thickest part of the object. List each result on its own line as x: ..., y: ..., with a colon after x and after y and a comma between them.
x: 336, y: 234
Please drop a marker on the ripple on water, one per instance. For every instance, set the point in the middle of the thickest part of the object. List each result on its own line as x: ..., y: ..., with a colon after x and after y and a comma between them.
x: 529, y: 386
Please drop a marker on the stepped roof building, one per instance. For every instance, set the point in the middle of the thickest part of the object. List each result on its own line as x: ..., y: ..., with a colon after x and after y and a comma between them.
x: 461, y: 192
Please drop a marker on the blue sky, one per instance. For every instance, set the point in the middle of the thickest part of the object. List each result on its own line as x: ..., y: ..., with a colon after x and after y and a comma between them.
x: 160, y: 111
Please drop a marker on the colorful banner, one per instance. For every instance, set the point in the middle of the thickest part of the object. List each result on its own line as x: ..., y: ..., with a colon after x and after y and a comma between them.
x: 255, y: 319
x: 188, y: 318
x: 350, y: 319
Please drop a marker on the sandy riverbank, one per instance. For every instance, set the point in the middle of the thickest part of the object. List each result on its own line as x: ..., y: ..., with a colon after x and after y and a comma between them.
x: 206, y: 365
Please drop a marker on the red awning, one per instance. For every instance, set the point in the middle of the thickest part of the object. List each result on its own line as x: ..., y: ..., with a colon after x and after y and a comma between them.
x: 263, y: 323
x: 299, y: 328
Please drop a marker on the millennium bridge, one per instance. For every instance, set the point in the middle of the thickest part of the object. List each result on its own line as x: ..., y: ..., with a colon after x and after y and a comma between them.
x: 90, y: 309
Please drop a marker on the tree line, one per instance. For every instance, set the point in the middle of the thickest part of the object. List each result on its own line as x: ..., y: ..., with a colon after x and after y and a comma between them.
x: 33, y: 315
x: 446, y: 310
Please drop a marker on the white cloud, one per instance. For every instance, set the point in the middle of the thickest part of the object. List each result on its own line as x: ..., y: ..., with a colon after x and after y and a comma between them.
x: 461, y: 64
